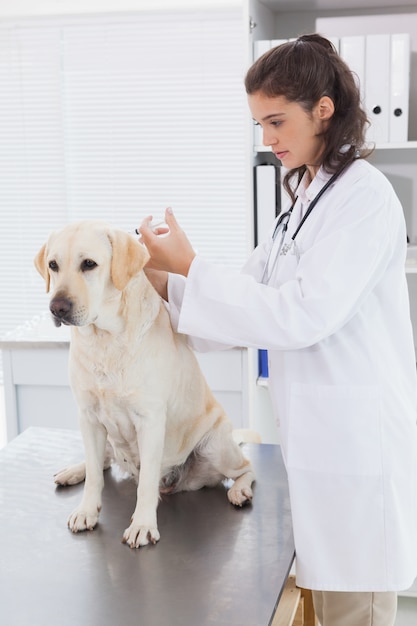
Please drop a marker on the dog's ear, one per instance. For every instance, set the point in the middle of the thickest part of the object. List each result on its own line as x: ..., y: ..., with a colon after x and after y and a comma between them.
x: 41, y: 266
x: 128, y: 258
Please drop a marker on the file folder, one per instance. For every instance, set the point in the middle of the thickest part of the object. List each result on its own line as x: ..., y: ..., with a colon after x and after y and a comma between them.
x: 277, y: 42
x: 352, y: 51
x: 267, y: 199
x: 400, y: 87
x: 377, y: 86
x: 335, y: 41
x: 263, y: 370
x: 259, y: 47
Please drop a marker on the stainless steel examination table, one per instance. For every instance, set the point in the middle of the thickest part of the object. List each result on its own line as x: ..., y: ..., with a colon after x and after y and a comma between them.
x: 214, y: 563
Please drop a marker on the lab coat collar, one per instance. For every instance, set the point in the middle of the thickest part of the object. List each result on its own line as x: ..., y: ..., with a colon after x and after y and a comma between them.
x: 307, y: 190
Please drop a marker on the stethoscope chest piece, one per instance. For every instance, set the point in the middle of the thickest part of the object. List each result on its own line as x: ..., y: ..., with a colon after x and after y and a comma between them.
x: 286, y: 248
x: 282, y: 225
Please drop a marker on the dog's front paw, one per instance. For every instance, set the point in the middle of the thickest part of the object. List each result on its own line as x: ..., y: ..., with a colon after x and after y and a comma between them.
x: 83, y: 519
x: 136, y: 535
x: 240, y: 495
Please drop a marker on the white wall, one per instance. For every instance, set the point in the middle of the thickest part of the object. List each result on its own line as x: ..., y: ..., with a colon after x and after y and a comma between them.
x: 17, y: 8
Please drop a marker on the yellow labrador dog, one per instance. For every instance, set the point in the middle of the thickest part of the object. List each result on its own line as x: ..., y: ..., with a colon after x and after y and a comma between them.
x: 137, y: 383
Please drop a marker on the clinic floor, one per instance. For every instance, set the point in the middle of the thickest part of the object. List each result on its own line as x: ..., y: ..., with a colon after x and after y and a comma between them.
x: 407, y: 607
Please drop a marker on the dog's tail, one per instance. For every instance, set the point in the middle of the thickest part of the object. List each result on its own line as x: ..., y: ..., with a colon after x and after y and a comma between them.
x: 246, y: 435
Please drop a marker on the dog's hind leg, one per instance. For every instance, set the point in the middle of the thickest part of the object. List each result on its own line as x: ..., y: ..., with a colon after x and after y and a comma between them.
x: 227, y: 458
x: 70, y: 475
x: 216, y: 457
x: 240, y: 492
x: 75, y: 474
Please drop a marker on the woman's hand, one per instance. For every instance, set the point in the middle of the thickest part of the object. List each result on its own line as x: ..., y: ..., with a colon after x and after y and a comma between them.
x: 170, y: 250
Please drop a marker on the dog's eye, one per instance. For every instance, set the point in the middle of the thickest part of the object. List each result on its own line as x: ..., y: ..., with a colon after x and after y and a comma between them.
x: 53, y: 265
x: 88, y: 264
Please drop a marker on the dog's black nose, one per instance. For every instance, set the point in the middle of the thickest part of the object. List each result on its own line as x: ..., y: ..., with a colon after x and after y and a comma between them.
x: 60, y: 308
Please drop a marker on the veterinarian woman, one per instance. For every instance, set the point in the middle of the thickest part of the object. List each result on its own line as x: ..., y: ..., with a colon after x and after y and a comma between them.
x: 326, y: 294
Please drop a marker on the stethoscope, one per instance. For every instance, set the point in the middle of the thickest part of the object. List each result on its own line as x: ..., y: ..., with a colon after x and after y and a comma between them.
x: 282, y: 226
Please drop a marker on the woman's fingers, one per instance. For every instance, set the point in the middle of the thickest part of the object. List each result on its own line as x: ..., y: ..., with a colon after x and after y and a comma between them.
x: 172, y: 251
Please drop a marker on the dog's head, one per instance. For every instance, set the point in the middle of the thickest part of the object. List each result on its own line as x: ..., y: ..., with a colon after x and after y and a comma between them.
x: 86, y: 265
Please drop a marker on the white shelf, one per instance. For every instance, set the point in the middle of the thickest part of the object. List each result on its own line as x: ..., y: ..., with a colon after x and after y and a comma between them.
x: 282, y: 6
x: 406, y: 145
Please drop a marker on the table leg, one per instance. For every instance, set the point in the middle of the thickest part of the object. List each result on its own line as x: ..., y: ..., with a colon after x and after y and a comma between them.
x: 310, y: 618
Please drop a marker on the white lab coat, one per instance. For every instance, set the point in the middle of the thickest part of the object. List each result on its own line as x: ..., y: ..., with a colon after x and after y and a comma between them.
x: 335, y: 320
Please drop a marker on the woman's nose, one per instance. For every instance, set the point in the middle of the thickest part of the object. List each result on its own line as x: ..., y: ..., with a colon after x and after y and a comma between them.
x: 268, y: 138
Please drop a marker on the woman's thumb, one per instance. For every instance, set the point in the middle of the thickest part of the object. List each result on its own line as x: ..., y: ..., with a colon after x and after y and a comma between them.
x: 170, y: 218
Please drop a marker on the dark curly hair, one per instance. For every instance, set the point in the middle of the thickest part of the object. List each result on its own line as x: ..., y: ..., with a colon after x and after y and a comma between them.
x: 303, y: 71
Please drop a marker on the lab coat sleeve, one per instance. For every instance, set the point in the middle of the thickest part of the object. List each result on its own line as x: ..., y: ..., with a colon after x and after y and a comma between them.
x: 176, y: 288
x: 346, y: 259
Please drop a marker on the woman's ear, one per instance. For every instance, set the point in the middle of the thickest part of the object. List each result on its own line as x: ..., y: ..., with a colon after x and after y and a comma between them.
x: 325, y: 108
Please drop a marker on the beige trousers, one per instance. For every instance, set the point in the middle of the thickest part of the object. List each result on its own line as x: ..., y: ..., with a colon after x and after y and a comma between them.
x: 334, y: 608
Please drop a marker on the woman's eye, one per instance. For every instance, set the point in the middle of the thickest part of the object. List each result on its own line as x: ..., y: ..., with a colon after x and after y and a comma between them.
x: 276, y: 123
x: 88, y: 264
x: 53, y: 265
x: 255, y: 123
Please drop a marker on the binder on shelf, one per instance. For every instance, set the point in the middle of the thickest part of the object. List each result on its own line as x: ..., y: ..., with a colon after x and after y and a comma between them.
x: 263, y: 364
x: 259, y: 47
x: 335, y: 41
x: 257, y: 135
x: 399, y: 87
x: 277, y: 42
x: 352, y: 51
x: 267, y: 199
x: 377, y: 86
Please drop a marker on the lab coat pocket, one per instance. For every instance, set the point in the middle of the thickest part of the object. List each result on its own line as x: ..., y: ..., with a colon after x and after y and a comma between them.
x: 335, y: 429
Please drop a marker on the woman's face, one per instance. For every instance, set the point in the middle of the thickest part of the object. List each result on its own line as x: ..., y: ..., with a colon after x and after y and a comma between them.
x: 293, y: 134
